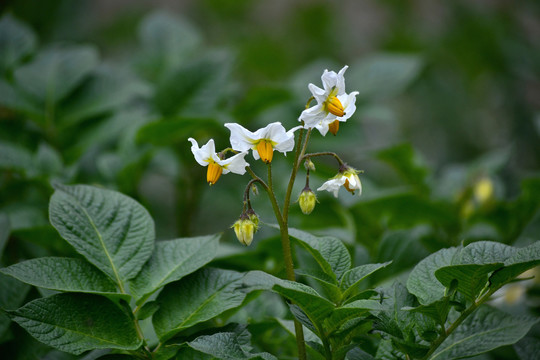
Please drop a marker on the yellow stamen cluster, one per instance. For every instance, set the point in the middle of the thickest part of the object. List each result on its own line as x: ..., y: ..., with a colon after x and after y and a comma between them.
x: 333, y: 127
x: 334, y: 106
x: 265, y: 150
x: 213, y: 173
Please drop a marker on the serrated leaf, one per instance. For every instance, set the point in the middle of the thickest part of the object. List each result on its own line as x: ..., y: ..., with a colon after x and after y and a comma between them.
x: 422, y: 281
x: 471, y: 278
x: 171, y: 261
x: 16, y: 41
x: 113, y: 231
x: 329, y: 252
x: 225, y: 345
x: 353, y: 277
x: 55, y: 72
x: 485, y: 330
x: 196, y: 298
x: 64, y: 274
x: 76, y: 323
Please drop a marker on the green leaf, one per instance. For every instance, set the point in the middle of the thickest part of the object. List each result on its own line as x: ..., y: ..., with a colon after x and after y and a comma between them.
x: 147, y: 310
x: 485, y: 330
x: 527, y: 348
x: 166, y: 41
x: 226, y: 345
x: 358, y: 354
x: 383, y: 75
x: 324, y: 282
x: 437, y: 310
x: 175, y: 130
x: 11, y: 98
x: 522, y: 260
x: 353, y: 277
x: 485, y: 252
x: 11, y: 297
x: 196, y: 298
x: 422, y: 281
x: 386, y: 351
x: 330, y: 253
x: 471, y: 278
x: 76, y: 323
x: 55, y: 72
x: 15, y: 157
x: 171, y: 261
x: 16, y: 41
x: 64, y: 274
x: 350, y: 311
x: 113, y: 231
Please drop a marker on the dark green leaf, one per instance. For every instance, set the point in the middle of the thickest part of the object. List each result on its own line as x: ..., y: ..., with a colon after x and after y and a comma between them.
x: 63, y: 274
x: 437, y: 310
x: 485, y: 330
x: 225, y: 346
x: 528, y: 348
x: 14, y: 157
x: 407, y: 164
x: 471, y: 278
x: 171, y: 261
x: 11, y: 297
x: 78, y: 322
x: 5, y: 229
x: 350, y: 311
x: 353, y: 277
x: 147, y: 310
x: 114, y: 232
x: 196, y: 298
x: 323, y: 282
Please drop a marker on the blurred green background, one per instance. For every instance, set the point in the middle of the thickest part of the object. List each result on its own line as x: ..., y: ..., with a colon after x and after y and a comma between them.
x: 447, y: 128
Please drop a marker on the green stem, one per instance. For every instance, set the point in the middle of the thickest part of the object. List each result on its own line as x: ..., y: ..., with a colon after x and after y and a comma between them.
x: 326, y: 153
x: 458, y: 322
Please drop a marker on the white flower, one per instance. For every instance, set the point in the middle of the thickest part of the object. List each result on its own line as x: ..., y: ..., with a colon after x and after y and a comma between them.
x: 333, y: 103
x: 206, y: 156
x: 348, y: 178
x: 264, y: 141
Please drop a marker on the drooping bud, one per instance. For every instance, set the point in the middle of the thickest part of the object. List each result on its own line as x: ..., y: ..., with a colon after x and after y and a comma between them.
x: 309, y: 165
x: 307, y: 200
x: 265, y: 150
x: 254, y: 218
x: 352, y: 181
x: 334, y: 106
x: 244, y: 229
x: 333, y: 127
x: 213, y: 173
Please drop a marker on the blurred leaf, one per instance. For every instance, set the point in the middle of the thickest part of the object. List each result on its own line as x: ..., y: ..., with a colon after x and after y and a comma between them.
x: 5, y: 230
x: 64, y: 274
x: 108, y: 88
x: 175, y: 130
x: 527, y: 348
x: 11, y: 297
x: 406, y: 162
x: 86, y: 322
x: 259, y: 99
x: 47, y: 160
x: 195, y: 298
x: 195, y: 88
x: 16, y: 41
x: 330, y: 253
x: 383, y: 75
x: 485, y: 330
x: 11, y: 98
x: 422, y: 281
x: 15, y: 157
x: 167, y: 41
x: 171, y: 261
x: 113, y: 231
x: 56, y: 72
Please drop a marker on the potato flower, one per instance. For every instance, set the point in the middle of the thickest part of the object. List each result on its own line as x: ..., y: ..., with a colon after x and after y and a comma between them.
x: 347, y: 178
x: 333, y: 103
x: 206, y: 156
x: 264, y: 141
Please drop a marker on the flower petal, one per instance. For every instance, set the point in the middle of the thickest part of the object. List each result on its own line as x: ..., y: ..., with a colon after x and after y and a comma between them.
x: 235, y: 164
x: 333, y: 185
x: 241, y: 139
x: 205, y: 153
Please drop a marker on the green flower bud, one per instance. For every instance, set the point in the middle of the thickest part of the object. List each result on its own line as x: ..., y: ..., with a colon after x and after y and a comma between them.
x: 244, y: 229
x: 307, y: 200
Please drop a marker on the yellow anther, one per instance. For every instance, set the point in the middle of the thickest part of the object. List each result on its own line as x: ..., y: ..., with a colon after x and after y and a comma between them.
x: 333, y: 127
x: 265, y: 150
x: 213, y: 173
x: 334, y: 106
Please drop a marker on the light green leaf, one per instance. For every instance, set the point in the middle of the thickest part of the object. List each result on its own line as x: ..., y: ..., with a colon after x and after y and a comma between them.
x: 167, y: 41
x: 471, y: 278
x: 85, y: 322
x: 113, y: 231
x: 171, y: 261
x: 382, y: 75
x: 55, y: 72
x: 16, y: 41
x: 422, y: 281
x: 353, y: 277
x: 226, y: 345
x: 63, y: 274
x: 485, y: 330
x: 329, y: 252
x: 196, y: 298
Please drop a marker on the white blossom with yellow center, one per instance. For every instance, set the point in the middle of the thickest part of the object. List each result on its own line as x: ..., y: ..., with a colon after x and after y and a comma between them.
x: 264, y: 141
x: 349, y: 179
x: 334, y: 105
x: 206, y: 156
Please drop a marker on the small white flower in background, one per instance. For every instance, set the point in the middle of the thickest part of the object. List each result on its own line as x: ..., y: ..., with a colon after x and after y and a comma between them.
x: 333, y: 103
x: 206, y: 156
x: 348, y: 178
x: 264, y: 141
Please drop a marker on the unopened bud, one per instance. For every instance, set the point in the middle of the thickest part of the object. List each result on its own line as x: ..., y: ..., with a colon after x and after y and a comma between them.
x: 254, y: 189
x: 307, y: 201
x: 309, y: 165
x: 244, y: 229
x: 254, y: 218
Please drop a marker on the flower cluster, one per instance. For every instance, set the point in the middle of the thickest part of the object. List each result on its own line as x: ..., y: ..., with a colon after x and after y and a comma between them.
x: 333, y: 106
